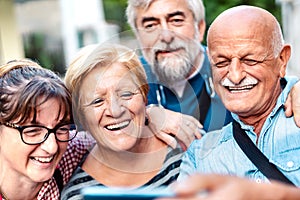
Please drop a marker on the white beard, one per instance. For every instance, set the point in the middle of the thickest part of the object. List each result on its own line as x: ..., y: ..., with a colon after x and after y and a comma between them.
x: 176, y: 67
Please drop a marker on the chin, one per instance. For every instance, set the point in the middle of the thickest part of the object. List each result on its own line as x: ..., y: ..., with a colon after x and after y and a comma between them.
x: 237, y: 107
x: 41, y: 177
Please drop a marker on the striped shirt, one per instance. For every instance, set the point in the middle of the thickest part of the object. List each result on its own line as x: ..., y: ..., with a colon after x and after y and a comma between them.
x: 168, y: 173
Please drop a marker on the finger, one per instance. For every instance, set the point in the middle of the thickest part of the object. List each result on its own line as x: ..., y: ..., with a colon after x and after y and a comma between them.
x: 295, y: 96
x: 195, y: 125
x: 199, y: 183
x: 193, y: 120
x: 188, y: 131
x: 190, y: 186
x: 288, y: 106
x: 186, y: 134
x: 182, y: 145
x: 168, y: 139
x: 179, y: 198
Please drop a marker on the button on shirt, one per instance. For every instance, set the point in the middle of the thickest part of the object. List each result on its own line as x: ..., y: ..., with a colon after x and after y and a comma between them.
x: 217, y: 151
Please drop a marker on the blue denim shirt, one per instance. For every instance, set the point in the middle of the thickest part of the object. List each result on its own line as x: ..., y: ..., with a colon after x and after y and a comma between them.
x: 217, y: 151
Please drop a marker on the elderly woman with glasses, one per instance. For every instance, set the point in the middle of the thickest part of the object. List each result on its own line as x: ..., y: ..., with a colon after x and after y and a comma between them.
x: 36, y: 125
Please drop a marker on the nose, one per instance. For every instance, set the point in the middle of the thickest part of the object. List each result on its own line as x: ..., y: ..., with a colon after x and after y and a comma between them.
x: 50, y: 144
x: 166, y: 35
x: 236, y: 71
x: 115, y: 107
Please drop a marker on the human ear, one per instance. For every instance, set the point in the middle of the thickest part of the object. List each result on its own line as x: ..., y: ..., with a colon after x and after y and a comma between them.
x: 284, y: 57
x: 201, y: 29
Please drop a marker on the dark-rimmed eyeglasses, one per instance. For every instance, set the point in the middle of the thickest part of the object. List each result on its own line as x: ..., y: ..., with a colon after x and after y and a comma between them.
x: 37, y: 134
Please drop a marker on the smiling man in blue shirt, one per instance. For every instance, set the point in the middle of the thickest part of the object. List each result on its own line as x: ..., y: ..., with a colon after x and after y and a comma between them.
x: 249, y: 59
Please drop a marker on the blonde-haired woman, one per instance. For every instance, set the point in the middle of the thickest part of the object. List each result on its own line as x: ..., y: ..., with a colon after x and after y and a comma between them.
x: 109, y: 90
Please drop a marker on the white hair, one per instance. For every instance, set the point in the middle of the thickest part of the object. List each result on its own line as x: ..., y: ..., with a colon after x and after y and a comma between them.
x: 196, y: 6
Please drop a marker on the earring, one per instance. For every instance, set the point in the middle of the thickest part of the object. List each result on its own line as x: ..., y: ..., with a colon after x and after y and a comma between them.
x: 146, y: 121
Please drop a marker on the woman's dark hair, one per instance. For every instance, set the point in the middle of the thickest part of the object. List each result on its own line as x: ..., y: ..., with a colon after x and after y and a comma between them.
x: 24, y: 85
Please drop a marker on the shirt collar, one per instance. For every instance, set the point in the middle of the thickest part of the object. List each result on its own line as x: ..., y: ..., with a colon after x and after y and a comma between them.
x: 286, y: 83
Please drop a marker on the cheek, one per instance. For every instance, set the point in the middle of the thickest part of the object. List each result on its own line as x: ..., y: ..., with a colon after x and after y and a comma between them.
x: 137, y: 107
x: 92, y: 116
x: 146, y: 41
x: 11, y: 140
x: 218, y: 74
x: 15, y: 150
x: 63, y: 147
x: 186, y: 32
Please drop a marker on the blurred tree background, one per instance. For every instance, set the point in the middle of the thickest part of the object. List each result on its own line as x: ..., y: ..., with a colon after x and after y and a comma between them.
x: 115, y: 13
x: 35, y: 48
x: 114, y: 10
x: 215, y: 7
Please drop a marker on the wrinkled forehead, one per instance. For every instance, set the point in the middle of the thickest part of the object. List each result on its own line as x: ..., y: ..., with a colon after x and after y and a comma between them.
x: 162, y: 8
x: 243, y: 22
x: 239, y: 34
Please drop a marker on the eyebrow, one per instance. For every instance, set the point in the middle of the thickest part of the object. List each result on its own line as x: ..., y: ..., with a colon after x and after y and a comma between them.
x: 147, y: 19
x: 176, y: 13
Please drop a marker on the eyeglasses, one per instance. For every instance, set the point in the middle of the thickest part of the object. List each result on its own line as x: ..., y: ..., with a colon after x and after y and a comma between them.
x: 37, y: 134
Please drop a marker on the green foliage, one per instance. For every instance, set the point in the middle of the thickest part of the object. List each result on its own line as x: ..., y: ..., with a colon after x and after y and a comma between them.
x: 115, y: 13
x: 36, y: 49
x: 115, y: 9
x: 214, y: 8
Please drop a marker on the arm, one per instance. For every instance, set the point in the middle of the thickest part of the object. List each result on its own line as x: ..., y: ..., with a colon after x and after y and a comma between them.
x: 168, y: 125
x: 234, y: 188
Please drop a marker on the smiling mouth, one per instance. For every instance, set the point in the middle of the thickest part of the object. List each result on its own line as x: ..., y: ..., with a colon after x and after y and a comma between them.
x: 118, y: 126
x: 237, y: 89
x: 43, y: 160
x: 167, y: 51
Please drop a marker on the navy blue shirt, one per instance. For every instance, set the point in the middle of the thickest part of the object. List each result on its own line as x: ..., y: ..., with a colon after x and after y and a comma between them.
x: 198, y: 99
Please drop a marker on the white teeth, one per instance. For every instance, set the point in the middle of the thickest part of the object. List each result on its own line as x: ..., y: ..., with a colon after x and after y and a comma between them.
x: 43, y: 160
x: 240, y: 88
x: 118, y: 126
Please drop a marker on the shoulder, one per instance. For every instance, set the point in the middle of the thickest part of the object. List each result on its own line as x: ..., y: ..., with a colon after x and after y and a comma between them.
x: 77, y: 148
x: 79, y: 180
x: 210, y: 141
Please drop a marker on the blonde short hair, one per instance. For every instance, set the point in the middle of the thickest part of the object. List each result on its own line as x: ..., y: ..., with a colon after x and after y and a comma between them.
x: 103, y: 55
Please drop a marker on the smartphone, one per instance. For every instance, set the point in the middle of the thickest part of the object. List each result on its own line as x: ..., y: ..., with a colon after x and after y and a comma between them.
x: 109, y: 193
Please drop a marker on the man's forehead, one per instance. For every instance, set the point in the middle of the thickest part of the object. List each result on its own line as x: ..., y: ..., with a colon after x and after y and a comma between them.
x: 163, y: 8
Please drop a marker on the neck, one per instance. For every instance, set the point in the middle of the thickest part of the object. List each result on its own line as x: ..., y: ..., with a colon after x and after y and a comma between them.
x: 135, y: 160
x: 121, y: 169
x: 257, y: 120
x: 14, y: 186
